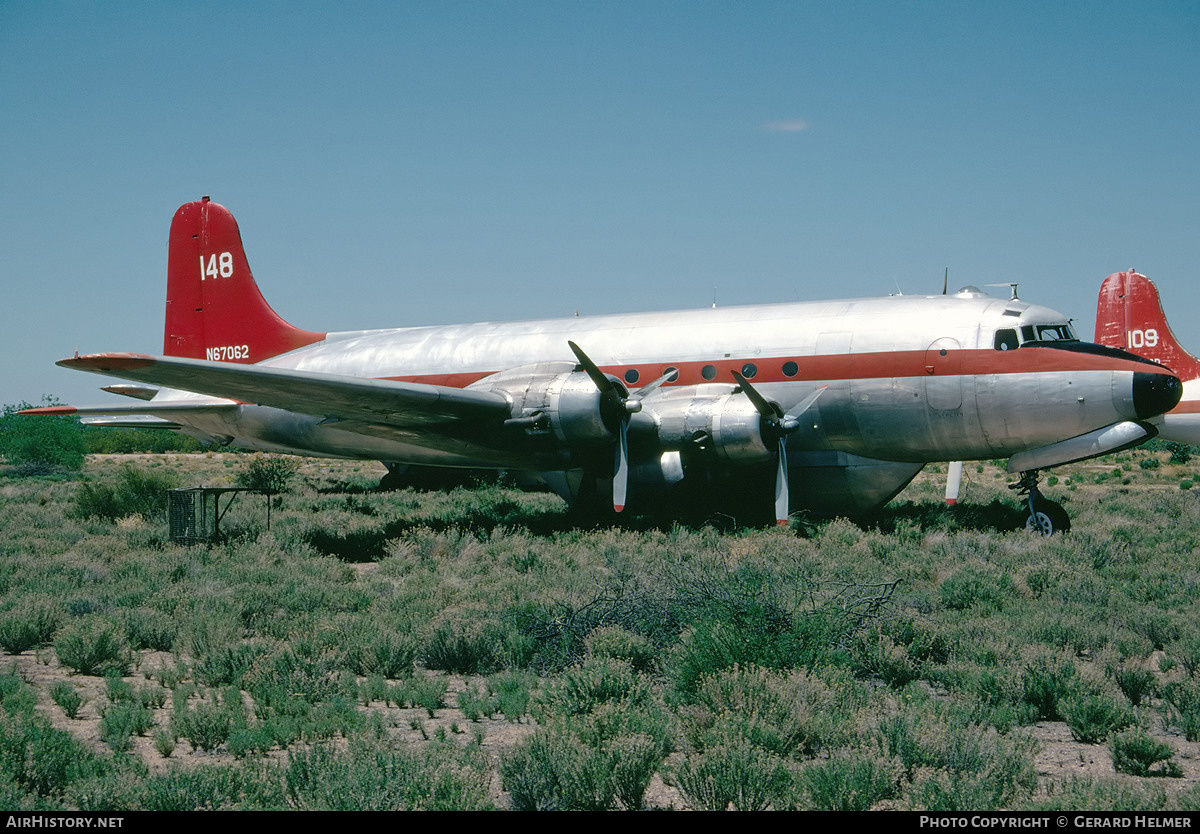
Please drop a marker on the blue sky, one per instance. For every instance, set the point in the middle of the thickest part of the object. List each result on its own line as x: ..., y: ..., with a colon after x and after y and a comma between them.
x: 403, y: 163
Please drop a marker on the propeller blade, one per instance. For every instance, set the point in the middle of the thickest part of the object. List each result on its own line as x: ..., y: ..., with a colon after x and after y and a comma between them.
x: 953, y: 481
x: 621, y: 469
x: 781, y: 484
x: 606, y: 386
x: 785, y: 425
x: 788, y: 425
x: 760, y: 403
x: 629, y: 405
x: 789, y: 419
x: 646, y: 390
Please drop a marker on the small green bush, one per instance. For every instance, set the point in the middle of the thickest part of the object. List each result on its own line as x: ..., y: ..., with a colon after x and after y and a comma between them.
x: 1046, y: 679
x: 1180, y: 452
x: 227, y: 665
x: 475, y: 702
x: 307, y: 669
x: 244, y: 741
x: 212, y: 788
x: 427, y: 691
x: 374, y: 688
x: 29, y: 625
x: 1101, y: 794
x: 1093, y: 717
x: 206, y: 726
x: 37, y: 757
x: 876, y: 655
x: 851, y: 782
x: 603, y: 735
x: 370, y: 776
x: 972, y: 586
x: 513, y: 693
x: 464, y: 650
x: 783, y: 714
x: 1186, y: 649
x: 16, y: 697
x: 147, y: 628
x: 739, y: 775
x: 138, y: 492
x: 93, y: 646
x: 271, y: 473
x: 113, y: 441
x: 1136, y: 682
x: 67, y: 697
x: 556, y: 770
x: 1136, y: 753
x: 633, y: 760
x: 582, y: 688
x: 1181, y: 707
x: 955, y: 762
x: 385, y: 653
x: 122, y: 720
x: 614, y: 641
x: 164, y: 743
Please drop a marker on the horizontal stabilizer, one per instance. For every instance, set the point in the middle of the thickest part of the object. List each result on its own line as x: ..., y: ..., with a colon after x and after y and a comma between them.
x: 163, y: 409
x: 328, y: 395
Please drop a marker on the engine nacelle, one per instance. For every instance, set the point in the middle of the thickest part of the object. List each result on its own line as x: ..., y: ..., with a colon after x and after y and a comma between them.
x: 717, y: 418
x: 552, y: 398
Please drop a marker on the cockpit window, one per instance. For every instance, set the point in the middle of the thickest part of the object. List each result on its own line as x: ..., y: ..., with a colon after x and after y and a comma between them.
x: 1006, y: 339
x: 1047, y: 333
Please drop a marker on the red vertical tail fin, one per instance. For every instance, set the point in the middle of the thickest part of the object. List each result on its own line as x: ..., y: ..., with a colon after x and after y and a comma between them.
x: 1129, y: 315
x: 214, y: 308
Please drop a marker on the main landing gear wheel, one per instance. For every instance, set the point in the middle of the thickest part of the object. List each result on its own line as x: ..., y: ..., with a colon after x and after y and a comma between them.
x: 1045, y: 516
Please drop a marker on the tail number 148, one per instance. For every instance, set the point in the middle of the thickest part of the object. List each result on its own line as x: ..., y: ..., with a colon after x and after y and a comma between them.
x: 217, y: 266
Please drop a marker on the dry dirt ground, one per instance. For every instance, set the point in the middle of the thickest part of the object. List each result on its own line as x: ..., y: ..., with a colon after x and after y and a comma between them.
x: 411, y: 726
x: 1059, y: 757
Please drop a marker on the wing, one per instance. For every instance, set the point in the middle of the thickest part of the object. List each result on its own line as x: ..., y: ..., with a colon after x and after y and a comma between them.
x: 377, y: 401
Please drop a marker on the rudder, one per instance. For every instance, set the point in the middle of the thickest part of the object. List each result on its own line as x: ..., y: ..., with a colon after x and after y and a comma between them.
x: 215, y: 310
x: 1129, y: 315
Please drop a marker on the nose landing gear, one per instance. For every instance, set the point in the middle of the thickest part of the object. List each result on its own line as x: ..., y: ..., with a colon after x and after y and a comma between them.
x: 1045, y: 516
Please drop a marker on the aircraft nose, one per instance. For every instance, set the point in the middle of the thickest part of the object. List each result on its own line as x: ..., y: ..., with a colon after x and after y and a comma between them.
x: 1155, y: 393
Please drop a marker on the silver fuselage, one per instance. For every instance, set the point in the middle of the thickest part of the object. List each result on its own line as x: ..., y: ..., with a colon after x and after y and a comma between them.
x: 910, y: 379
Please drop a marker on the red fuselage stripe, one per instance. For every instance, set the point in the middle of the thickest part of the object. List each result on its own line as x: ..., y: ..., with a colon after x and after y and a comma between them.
x: 903, y: 363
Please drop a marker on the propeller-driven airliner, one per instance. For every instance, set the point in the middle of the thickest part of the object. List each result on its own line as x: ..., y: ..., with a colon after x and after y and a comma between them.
x: 836, y: 405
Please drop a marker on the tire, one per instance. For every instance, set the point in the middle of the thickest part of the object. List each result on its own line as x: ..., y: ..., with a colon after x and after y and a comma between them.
x: 1048, y: 518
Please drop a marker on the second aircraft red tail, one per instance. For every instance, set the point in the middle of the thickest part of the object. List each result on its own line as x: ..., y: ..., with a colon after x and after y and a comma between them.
x: 1129, y: 315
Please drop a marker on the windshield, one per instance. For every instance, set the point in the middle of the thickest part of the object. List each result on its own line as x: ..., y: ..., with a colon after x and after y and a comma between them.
x: 1048, y: 333
x: 1036, y: 334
